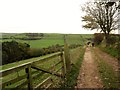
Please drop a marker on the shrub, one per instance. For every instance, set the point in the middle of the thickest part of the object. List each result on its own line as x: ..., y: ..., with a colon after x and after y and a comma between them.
x: 14, y: 51
x: 98, y: 37
x: 112, y: 40
x: 33, y: 52
x: 43, y: 51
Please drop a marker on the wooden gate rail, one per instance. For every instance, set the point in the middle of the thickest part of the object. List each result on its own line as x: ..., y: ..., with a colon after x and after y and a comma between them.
x: 47, y: 79
x: 46, y: 71
x: 37, y: 76
x: 42, y: 83
x: 13, y: 69
x: 47, y: 58
x: 14, y: 80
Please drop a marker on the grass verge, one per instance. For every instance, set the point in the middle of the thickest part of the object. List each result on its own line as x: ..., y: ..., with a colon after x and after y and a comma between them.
x: 109, y: 77
x: 72, y: 76
x: 112, y: 51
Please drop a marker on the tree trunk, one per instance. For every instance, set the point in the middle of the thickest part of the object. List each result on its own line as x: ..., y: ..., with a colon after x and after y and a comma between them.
x: 107, y: 39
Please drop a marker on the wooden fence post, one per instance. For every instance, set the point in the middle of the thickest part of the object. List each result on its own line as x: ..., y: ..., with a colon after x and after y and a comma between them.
x: 29, y: 77
x: 63, y: 63
x: 67, y: 56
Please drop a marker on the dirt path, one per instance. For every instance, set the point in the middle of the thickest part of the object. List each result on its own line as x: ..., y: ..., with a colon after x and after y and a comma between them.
x: 89, y: 76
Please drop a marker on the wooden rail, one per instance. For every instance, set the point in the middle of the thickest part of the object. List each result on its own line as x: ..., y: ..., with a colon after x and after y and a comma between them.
x: 31, y: 72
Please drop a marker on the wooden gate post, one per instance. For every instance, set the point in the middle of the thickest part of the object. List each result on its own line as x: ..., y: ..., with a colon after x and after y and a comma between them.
x: 29, y: 77
x: 67, y: 56
x: 63, y: 63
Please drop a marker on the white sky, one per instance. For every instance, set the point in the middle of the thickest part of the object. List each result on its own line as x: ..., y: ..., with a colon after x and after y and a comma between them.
x: 46, y: 16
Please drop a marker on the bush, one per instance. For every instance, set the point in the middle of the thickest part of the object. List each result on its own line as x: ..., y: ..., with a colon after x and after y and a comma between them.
x: 114, y: 48
x: 14, y: 51
x: 112, y: 40
x: 98, y: 37
x: 36, y: 52
x: 43, y: 51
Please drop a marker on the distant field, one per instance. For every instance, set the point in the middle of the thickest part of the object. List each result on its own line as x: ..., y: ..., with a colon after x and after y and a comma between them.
x: 50, y: 39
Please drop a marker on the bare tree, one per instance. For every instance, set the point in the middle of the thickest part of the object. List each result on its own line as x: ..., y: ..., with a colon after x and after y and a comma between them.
x: 102, y: 15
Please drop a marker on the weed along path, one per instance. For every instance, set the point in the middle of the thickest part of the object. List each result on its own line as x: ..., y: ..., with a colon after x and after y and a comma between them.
x: 89, y: 75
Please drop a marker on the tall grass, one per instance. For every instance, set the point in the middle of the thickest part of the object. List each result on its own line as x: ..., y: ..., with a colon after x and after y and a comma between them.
x: 71, y: 79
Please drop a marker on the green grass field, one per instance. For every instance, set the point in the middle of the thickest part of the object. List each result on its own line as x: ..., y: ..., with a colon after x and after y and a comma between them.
x: 50, y: 39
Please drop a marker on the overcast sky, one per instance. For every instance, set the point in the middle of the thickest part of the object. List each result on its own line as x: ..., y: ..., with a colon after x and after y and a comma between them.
x: 46, y: 16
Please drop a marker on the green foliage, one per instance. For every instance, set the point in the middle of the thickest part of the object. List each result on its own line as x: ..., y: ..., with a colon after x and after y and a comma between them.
x: 87, y: 18
x: 91, y: 24
x: 32, y: 34
x: 113, y: 51
x: 33, y: 52
x: 14, y: 51
x: 112, y: 40
x: 114, y: 46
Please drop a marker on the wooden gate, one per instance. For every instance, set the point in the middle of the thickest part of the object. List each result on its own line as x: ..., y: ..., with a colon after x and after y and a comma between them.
x: 31, y: 75
x: 29, y: 72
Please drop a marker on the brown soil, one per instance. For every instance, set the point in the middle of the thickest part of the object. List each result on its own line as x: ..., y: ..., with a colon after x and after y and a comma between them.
x: 89, y: 75
x: 113, y: 62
